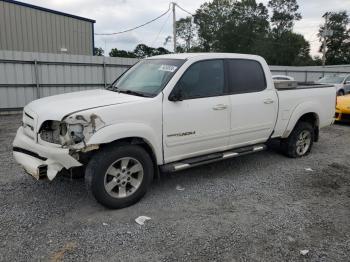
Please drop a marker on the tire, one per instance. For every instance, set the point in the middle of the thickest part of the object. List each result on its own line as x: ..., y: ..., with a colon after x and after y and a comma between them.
x: 341, y: 93
x: 119, y: 176
x: 292, y: 146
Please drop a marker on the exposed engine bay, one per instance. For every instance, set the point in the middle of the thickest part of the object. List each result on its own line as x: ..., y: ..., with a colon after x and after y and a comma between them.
x: 72, y: 132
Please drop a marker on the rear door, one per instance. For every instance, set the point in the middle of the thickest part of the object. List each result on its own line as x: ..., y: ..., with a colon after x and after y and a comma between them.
x: 200, y: 123
x: 254, y: 105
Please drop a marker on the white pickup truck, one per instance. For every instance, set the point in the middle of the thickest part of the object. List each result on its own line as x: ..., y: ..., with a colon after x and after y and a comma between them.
x: 168, y: 113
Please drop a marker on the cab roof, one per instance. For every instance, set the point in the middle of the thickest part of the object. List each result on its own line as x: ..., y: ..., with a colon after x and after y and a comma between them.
x: 204, y: 56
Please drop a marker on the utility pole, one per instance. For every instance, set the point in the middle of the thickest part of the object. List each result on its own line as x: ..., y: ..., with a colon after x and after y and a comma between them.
x: 324, y: 43
x: 174, y: 26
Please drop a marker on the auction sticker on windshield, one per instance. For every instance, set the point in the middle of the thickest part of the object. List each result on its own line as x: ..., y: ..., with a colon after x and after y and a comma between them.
x: 168, y: 68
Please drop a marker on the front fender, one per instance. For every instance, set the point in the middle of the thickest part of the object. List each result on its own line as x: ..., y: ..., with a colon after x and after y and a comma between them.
x: 298, y: 112
x: 115, y: 132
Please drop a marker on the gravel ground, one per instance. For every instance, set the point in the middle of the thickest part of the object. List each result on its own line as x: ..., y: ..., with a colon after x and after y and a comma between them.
x: 262, y: 207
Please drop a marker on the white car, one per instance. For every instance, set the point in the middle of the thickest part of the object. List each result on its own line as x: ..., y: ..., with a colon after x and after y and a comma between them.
x: 341, y: 82
x: 168, y: 113
x: 282, y: 77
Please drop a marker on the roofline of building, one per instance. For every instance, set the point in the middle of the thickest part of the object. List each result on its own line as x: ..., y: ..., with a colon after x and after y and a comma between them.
x: 48, y: 10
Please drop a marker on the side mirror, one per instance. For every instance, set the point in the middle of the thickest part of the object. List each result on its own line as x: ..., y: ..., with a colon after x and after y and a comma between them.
x: 176, y: 95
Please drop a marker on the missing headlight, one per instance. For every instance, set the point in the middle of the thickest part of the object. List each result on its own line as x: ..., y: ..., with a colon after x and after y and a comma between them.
x: 57, y: 132
x: 50, y: 132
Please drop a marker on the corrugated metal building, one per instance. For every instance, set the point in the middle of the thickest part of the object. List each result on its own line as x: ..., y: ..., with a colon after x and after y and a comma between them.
x: 29, y: 28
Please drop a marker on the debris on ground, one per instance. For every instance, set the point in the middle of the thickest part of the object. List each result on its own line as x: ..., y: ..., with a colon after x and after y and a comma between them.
x: 141, y: 220
x: 59, y: 255
x: 304, y: 252
x: 104, y: 224
x: 309, y: 169
x: 180, y: 188
x: 290, y: 239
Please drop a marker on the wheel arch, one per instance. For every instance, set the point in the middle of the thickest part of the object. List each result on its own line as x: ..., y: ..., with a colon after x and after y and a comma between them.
x: 307, y: 113
x: 137, y: 134
x: 134, y: 141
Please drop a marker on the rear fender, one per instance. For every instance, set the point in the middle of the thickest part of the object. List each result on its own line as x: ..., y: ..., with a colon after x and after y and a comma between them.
x: 298, y: 112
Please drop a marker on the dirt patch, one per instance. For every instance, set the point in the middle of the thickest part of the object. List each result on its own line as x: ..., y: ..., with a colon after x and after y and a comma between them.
x: 335, y: 178
x: 59, y: 255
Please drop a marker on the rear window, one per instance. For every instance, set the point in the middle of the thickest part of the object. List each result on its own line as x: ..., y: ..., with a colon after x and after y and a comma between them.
x: 245, y: 76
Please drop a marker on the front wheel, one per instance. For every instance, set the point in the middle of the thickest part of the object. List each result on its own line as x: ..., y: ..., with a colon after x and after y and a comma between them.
x: 300, y: 141
x: 119, y: 176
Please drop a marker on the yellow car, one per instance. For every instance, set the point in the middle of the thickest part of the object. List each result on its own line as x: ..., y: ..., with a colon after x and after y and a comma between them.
x: 342, y: 110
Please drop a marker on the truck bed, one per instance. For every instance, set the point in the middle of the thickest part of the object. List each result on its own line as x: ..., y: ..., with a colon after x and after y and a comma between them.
x: 288, y: 85
x: 313, y: 97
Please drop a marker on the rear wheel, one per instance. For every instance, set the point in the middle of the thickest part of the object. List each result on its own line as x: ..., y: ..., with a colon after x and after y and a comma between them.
x: 300, y: 141
x: 119, y: 176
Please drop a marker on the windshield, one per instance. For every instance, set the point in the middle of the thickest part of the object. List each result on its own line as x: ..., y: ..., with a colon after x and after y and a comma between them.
x: 148, y: 77
x: 331, y: 80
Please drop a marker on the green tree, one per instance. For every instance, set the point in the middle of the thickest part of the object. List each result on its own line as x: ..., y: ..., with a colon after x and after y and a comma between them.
x: 160, y: 51
x: 289, y: 49
x: 115, y: 52
x: 285, y: 46
x: 284, y: 15
x: 142, y: 51
x: 232, y: 26
x: 338, y: 41
x: 98, y: 51
x: 185, y: 34
x: 247, y: 29
x: 211, y: 19
x: 244, y: 27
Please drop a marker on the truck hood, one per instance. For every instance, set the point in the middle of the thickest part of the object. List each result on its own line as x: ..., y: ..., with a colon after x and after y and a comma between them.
x: 58, y: 106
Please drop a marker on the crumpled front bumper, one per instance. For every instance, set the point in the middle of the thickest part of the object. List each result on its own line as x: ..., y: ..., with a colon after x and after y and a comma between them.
x: 39, y: 160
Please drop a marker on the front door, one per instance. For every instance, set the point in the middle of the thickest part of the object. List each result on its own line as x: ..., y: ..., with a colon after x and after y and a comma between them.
x: 199, y: 123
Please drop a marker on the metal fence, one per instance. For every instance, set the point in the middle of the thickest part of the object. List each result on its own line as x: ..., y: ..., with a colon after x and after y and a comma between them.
x: 27, y: 76
x: 307, y: 74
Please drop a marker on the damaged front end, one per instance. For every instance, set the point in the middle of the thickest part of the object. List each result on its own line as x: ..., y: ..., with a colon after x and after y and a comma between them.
x: 60, y: 145
x: 72, y: 132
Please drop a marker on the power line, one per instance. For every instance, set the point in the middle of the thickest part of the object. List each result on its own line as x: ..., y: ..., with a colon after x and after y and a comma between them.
x: 136, y: 27
x: 161, y: 29
x: 184, y: 9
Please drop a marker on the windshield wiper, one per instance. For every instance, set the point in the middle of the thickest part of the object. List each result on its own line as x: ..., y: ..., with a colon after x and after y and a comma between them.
x: 112, y: 88
x: 131, y: 92
x: 126, y: 91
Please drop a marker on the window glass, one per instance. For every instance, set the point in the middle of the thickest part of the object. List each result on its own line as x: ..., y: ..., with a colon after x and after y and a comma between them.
x: 203, y: 79
x: 245, y: 76
x: 149, y: 76
x: 331, y: 80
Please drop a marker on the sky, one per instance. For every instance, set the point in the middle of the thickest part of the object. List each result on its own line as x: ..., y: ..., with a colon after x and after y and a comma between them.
x: 117, y: 15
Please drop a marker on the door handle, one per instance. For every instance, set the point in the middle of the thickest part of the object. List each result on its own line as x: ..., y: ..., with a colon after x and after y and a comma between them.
x: 220, y: 107
x: 268, y: 101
